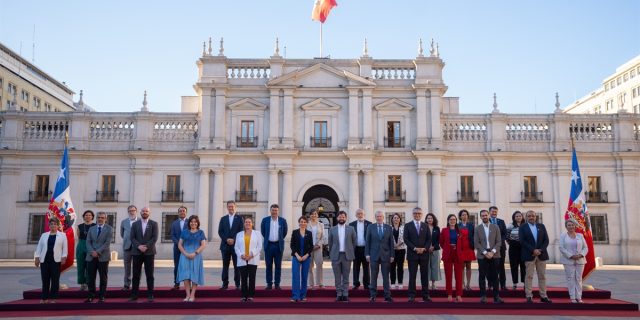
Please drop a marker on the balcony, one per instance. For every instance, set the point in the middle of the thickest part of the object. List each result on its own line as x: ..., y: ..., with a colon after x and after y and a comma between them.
x: 320, y: 142
x: 37, y: 196
x: 172, y: 196
x: 597, y: 196
x: 247, y: 142
x: 529, y: 197
x: 246, y: 196
x: 395, y: 196
x: 107, y: 196
x: 468, y: 196
x: 394, y: 142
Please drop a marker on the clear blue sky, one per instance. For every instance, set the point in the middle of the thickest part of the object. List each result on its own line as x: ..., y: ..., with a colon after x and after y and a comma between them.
x: 523, y: 50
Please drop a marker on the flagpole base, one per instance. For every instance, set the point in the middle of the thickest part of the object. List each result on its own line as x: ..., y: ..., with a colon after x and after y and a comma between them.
x: 587, y: 287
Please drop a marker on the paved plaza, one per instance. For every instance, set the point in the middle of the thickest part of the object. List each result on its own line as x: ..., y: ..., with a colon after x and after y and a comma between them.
x: 19, y: 275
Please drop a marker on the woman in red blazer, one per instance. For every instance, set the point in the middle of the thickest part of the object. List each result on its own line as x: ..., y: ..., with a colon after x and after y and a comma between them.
x: 454, y: 242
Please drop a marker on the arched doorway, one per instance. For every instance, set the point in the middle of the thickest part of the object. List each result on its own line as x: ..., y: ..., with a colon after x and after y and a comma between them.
x: 325, y: 200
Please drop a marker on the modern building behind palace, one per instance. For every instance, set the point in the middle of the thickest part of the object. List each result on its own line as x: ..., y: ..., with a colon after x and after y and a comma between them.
x: 338, y: 134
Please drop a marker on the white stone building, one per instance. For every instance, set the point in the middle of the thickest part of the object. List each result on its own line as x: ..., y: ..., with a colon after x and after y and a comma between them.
x: 619, y: 92
x: 340, y: 133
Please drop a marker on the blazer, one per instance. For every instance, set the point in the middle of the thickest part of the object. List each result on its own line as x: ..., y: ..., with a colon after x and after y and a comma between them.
x: 176, y: 231
x: 125, y: 233
x: 354, y: 224
x: 255, y: 246
x: 319, y: 234
x: 295, y: 243
x: 149, y: 239
x: 471, y: 229
x: 349, y: 243
x: 480, y: 240
x: 399, y: 245
x: 265, y: 226
x: 229, y: 232
x: 435, y: 238
x: 377, y: 248
x: 503, y: 233
x: 565, y: 254
x: 463, y: 251
x: 528, y: 244
x: 416, y: 239
x: 100, y: 244
x: 59, y: 249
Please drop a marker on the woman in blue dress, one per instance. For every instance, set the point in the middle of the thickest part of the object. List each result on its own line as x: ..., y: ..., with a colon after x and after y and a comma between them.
x: 190, y: 269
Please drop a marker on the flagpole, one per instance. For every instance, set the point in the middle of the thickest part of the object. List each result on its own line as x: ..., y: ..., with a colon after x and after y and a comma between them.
x: 321, y: 39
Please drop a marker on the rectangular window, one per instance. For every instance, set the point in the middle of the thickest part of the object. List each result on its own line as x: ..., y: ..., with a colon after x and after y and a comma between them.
x: 599, y: 228
x: 320, y: 135
x: 36, y: 103
x: 594, y: 184
x: 173, y: 193
x: 394, y: 193
x: 25, y: 96
x: 36, y: 227
x: 47, y: 107
x: 530, y: 193
x: 167, y: 220
x: 108, y: 193
x: 246, y: 193
x: 247, y: 134
x: 466, y: 185
x: 594, y: 191
x: 42, y: 188
x: 12, y: 89
x: 394, y: 137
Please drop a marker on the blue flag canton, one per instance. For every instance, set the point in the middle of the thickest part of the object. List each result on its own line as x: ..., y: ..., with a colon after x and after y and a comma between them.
x: 63, y: 176
x: 576, y: 179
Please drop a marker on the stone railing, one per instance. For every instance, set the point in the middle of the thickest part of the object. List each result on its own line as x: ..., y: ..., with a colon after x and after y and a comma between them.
x: 248, y: 69
x: 111, y: 130
x: 592, y: 130
x: 464, y: 129
x: 45, y: 129
x: 528, y: 131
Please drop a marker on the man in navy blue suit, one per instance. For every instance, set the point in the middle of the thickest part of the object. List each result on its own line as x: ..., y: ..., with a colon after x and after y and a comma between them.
x: 176, y: 229
x: 273, y: 229
x: 493, y: 213
x: 228, y: 228
x: 534, y: 241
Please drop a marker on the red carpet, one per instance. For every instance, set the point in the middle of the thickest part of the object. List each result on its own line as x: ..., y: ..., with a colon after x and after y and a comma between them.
x: 211, y: 301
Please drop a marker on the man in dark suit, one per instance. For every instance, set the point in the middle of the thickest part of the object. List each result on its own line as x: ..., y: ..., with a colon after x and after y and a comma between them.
x: 418, y: 239
x: 534, y: 241
x: 379, y: 250
x: 342, y: 242
x: 176, y: 230
x: 360, y: 226
x: 487, y: 242
x: 273, y: 229
x: 98, y: 255
x: 228, y: 228
x: 144, y: 235
x: 493, y: 217
x: 125, y: 234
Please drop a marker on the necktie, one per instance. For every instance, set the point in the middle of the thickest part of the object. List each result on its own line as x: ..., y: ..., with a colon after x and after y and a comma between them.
x: 418, y: 226
x: 493, y: 220
x: 380, y: 231
x: 99, y: 230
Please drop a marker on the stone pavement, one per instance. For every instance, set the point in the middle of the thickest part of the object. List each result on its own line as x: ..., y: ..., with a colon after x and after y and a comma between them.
x: 19, y: 275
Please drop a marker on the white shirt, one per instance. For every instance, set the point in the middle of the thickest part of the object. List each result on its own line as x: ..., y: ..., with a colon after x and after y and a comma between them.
x: 144, y: 225
x: 273, y: 231
x: 182, y: 221
x: 486, y: 233
x: 341, y: 231
x: 231, y: 215
x: 361, y: 240
x: 314, y: 232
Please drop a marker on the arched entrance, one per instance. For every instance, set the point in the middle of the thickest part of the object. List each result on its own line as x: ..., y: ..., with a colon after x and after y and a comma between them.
x: 323, y: 198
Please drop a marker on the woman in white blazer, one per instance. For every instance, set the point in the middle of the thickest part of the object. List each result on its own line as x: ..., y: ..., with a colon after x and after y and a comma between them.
x: 317, y: 230
x: 50, y: 253
x: 573, y: 249
x: 248, y: 246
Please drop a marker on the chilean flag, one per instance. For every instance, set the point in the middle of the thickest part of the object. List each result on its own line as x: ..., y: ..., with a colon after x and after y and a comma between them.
x: 321, y: 10
x: 577, y: 210
x: 61, y: 207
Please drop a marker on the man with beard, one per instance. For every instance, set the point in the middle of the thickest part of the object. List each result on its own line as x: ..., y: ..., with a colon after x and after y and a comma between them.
x: 342, y: 243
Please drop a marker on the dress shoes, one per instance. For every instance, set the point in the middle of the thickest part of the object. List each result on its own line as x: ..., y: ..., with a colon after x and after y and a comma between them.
x: 278, y: 287
x: 175, y: 287
x: 545, y: 300
x: 356, y: 287
x: 483, y: 299
x: 89, y: 300
x: 389, y: 299
x: 498, y: 300
x: 372, y: 299
x: 150, y: 298
x: 101, y: 300
x: 133, y: 299
x: 426, y: 299
x: 126, y: 288
x: 224, y: 287
x: 529, y: 300
x: 268, y: 287
x: 411, y: 299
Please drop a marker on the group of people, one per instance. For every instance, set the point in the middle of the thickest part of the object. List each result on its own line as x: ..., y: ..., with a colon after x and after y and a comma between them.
x: 373, y: 248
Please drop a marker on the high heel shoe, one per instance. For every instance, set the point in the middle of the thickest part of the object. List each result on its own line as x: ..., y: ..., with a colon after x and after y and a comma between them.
x: 186, y: 299
x: 449, y: 298
x: 458, y: 299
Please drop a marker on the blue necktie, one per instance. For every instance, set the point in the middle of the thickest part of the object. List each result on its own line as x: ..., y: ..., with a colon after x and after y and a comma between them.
x: 99, y: 230
x: 380, y: 231
x: 493, y: 220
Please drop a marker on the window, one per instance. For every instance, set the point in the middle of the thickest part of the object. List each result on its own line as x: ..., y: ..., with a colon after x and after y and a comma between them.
x: 320, y: 137
x: 36, y: 227
x: 47, y: 107
x: 613, y: 84
x: 597, y: 109
x: 466, y: 193
x: 246, y: 192
x: 394, y: 138
x: 173, y: 193
x: 108, y: 193
x: 167, y: 219
x: 594, y: 192
x: 622, y: 98
x: 12, y: 89
x: 633, y: 74
x: 531, y: 193
x: 395, y: 192
x: 247, y: 135
x: 25, y: 96
x: 41, y: 193
x: 36, y: 103
x: 606, y: 87
x: 618, y: 80
x: 609, y: 105
x: 599, y: 228
x: 626, y: 77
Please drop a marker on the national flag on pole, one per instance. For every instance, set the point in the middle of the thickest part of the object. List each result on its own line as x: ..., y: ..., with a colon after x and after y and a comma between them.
x: 321, y: 9
x: 61, y: 207
x: 577, y: 210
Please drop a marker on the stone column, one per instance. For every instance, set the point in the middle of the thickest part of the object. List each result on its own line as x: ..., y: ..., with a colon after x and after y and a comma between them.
x: 366, y: 117
x: 367, y: 196
x: 220, y: 119
x: 436, y: 204
x: 287, y: 124
x: 274, y: 115
x: 353, y: 116
x: 423, y: 189
x: 434, y: 117
x: 421, y: 120
x: 273, y: 187
x: 206, y: 120
x: 218, y: 202
x: 202, y: 202
x: 354, y: 194
x: 286, y: 210
x: 8, y: 196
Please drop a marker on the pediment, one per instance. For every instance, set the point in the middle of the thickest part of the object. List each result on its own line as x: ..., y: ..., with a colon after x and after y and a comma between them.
x: 321, y: 75
x: 393, y: 105
x: 247, y: 104
x: 321, y: 104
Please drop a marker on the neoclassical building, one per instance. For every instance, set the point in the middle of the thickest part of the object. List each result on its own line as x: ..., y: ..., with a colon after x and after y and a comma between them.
x: 339, y: 134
